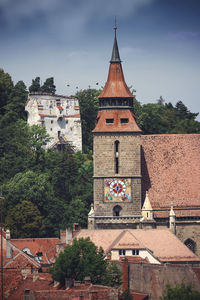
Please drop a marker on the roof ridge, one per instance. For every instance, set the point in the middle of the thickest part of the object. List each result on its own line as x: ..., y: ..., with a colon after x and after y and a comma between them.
x: 117, y: 239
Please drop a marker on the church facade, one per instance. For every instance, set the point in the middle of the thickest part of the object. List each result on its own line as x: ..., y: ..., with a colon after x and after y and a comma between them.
x: 142, y: 181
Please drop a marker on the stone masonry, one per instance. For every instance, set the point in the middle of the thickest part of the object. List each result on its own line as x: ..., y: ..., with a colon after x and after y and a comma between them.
x: 60, y: 115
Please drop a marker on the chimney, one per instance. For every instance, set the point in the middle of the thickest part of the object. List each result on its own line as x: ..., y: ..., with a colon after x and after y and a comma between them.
x: 9, y: 250
x: 69, y: 283
x: 87, y: 280
x: 125, y: 274
x: 66, y: 236
x: 172, y: 219
x: 108, y: 256
x: 76, y: 229
x: 7, y: 234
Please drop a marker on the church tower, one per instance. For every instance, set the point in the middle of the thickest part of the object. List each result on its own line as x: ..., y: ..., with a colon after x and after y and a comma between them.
x: 116, y: 150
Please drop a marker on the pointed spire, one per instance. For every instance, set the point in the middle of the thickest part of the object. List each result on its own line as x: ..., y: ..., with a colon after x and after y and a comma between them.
x: 115, y: 53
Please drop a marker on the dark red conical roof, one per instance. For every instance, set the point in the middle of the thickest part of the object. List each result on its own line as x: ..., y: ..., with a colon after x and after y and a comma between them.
x: 115, y: 86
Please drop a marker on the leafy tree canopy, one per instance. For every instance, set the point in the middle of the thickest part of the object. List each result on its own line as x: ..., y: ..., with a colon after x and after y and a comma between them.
x: 24, y: 219
x: 180, y: 292
x: 6, y: 86
x: 35, y: 86
x: 48, y: 86
x: 88, y: 101
x: 79, y: 260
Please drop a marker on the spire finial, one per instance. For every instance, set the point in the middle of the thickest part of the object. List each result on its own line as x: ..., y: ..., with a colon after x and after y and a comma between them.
x: 115, y: 27
x: 115, y: 53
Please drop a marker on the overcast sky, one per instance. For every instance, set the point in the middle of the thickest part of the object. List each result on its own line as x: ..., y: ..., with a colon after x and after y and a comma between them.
x: 71, y: 40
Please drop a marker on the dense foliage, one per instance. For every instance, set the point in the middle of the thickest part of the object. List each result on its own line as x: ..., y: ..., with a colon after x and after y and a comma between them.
x: 57, y: 187
x: 152, y: 118
x: 82, y: 259
x: 47, y: 87
x: 126, y: 295
x: 88, y: 101
x: 180, y: 292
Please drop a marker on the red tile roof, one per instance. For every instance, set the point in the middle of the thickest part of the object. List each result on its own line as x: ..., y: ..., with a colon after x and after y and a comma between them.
x: 45, y: 245
x: 139, y: 296
x: 171, y: 172
x: 164, y: 245
x: 116, y: 126
x: 115, y: 86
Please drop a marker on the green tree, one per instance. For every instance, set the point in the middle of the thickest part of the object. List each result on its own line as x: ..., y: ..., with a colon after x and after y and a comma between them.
x: 79, y: 260
x: 84, y: 178
x: 15, y: 109
x: 75, y: 212
x: 48, y: 86
x: 35, y: 86
x: 88, y: 101
x: 112, y: 276
x: 180, y: 292
x: 36, y: 188
x: 182, y: 112
x: 24, y: 220
x: 125, y: 295
x: 6, y: 86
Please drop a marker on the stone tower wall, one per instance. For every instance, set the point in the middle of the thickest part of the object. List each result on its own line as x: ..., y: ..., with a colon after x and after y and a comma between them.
x: 129, y: 167
x: 44, y: 110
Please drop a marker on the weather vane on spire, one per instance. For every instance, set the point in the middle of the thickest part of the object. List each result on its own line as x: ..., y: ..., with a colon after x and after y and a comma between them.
x: 115, y: 27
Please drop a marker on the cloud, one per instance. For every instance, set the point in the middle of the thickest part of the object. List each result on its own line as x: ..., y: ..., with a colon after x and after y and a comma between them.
x: 66, y: 15
x: 184, y: 35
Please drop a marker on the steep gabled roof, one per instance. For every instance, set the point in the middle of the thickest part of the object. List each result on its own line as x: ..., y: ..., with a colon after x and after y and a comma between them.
x: 164, y: 245
x: 47, y: 246
x: 128, y: 241
x: 171, y: 173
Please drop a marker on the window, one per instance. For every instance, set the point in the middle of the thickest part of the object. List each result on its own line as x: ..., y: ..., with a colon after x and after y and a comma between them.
x: 58, y: 133
x: 109, y: 121
x: 191, y: 245
x: 116, y: 157
x: 135, y: 252
x: 51, y: 121
x: 124, y: 120
x: 122, y: 252
x: 116, y: 210
x: 26, y: 295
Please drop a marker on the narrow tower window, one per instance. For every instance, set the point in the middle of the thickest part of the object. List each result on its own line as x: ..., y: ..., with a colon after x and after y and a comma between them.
x: 116, y: 157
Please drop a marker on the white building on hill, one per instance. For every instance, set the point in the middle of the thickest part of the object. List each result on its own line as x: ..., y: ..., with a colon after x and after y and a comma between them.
x: 61, y: 117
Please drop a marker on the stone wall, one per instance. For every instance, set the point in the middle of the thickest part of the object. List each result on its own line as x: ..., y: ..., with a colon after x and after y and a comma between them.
x: 60, y: 115
x: 189, y: 230
x: 152, y: 278
x: 129, y: 154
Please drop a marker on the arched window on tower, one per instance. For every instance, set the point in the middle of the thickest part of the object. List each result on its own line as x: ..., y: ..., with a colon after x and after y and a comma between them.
x: 116, y: 210
x: 116, y: 157
x: 191, y: 245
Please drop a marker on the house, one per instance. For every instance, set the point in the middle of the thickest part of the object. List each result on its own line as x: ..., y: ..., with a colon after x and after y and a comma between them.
x: 155, y: 246
x: 60, y: 115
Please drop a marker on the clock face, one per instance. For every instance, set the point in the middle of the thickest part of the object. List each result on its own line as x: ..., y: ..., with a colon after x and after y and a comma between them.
x: 117, y: 190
